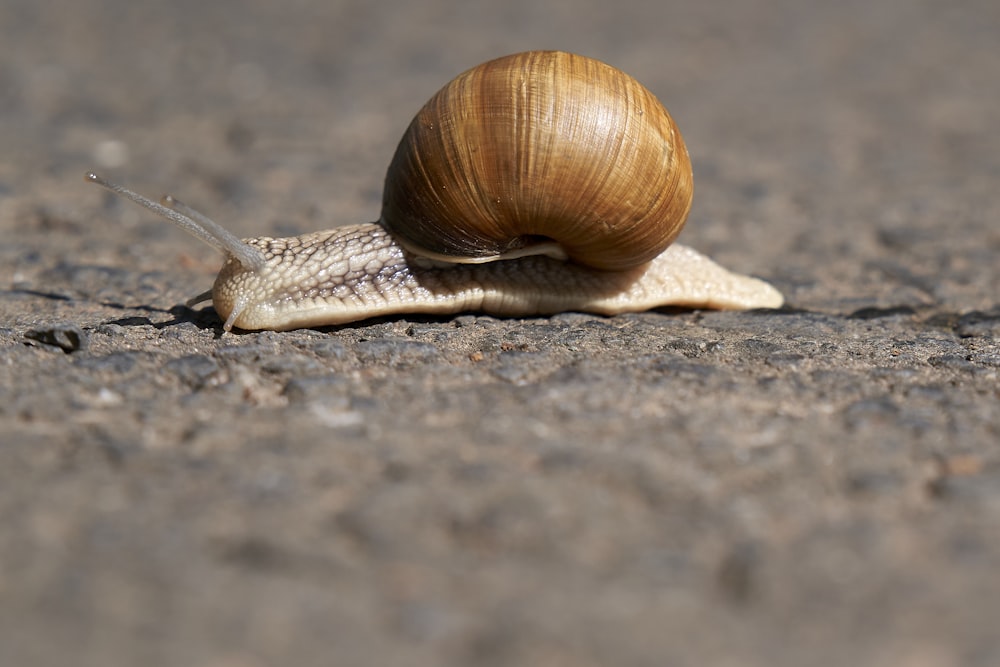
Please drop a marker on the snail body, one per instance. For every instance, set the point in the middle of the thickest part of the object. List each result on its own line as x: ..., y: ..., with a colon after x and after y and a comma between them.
x: 531, y: 184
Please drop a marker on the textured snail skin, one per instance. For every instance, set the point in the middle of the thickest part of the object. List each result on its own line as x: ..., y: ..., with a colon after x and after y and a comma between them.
x: 356, y: 272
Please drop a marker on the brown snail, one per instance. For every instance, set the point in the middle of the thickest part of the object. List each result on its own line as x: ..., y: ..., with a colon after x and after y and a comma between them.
x: 531, y: 184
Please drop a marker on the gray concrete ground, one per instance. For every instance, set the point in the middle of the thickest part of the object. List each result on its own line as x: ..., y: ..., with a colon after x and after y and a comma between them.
x: 818, y: 485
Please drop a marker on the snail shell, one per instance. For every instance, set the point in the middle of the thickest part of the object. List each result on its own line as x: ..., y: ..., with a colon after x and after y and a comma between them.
x: 540, y: 150
x: 534, y: 159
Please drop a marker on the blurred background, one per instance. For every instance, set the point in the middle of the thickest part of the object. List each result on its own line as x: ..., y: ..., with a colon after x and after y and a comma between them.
x: 846, y: 151
x: 814, y: 128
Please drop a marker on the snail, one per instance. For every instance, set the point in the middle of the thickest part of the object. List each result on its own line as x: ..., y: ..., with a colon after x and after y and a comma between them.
x: 535, y: 183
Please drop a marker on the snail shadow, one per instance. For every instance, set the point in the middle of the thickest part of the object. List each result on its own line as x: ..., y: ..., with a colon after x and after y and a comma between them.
x: 206, y: 318
x: 678, y: 311
x: 203, y: 319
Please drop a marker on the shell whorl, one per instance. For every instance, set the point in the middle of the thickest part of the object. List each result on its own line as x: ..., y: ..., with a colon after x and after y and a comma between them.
x: 539, y: 147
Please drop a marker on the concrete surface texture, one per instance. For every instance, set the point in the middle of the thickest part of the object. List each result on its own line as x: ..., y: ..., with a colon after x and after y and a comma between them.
x: 817, y: 485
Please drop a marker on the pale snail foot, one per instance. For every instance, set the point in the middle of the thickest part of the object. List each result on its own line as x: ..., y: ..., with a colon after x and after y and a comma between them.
x: 681, y: 276
x: 357, y: 272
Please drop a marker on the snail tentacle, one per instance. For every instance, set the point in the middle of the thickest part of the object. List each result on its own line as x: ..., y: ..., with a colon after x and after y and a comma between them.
x: 190, y: 221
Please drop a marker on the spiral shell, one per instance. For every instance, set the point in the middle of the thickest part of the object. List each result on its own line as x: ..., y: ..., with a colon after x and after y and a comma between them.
x: 539, y: 148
